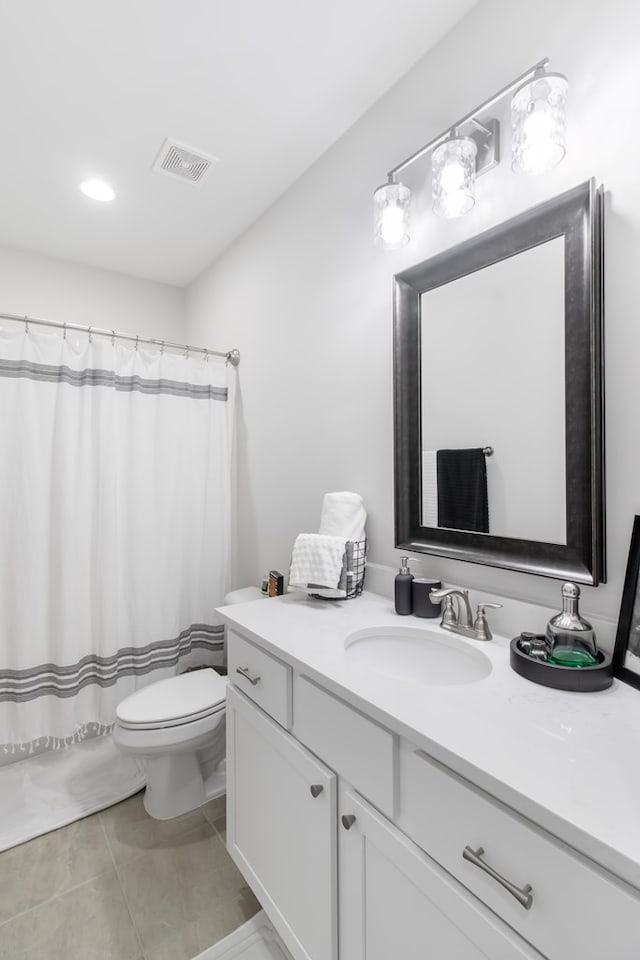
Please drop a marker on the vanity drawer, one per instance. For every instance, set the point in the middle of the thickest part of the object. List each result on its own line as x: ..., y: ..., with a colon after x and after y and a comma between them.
x: 577, y: 910
x: 356, y: 747
x: 263, y: 678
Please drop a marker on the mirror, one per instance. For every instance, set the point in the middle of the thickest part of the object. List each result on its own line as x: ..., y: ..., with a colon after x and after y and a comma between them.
x: 498, y: 395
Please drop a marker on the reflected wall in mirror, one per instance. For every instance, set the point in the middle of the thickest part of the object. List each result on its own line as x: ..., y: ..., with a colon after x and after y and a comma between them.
x: 492, y: 365
x: 497, y: 347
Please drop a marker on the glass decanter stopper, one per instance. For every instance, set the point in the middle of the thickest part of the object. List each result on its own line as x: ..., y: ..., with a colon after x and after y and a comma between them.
x: 571, y: 639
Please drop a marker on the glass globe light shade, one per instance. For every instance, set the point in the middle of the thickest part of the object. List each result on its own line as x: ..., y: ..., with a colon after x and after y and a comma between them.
x: 538, y: 124
x: 391, y: 215
x: 453, y: 166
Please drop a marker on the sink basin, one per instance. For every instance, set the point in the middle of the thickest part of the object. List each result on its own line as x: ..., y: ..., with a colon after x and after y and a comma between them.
x: 416, y: 655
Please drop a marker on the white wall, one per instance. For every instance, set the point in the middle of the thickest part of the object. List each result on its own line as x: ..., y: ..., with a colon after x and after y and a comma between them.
x: 307, y: 299
x: 71, y: 293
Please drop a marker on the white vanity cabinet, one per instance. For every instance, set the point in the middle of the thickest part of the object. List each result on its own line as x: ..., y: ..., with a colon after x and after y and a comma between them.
x: 353, y: 840
x: 281, y: 828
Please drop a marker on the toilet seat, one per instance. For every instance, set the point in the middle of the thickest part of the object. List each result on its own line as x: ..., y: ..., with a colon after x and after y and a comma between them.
x: 173, y: 702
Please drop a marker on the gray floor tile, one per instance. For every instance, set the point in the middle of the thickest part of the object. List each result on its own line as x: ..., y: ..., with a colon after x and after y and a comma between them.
x: 49, y: 865
x: 216, y: 813
x: 184, y: 899
x: 131, y: 831
x: 90, y: 922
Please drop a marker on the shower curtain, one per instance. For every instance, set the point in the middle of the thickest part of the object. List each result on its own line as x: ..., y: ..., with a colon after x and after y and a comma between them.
x: 115, y: 468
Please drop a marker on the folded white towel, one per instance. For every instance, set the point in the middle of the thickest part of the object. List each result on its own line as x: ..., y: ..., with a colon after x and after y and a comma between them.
x: 343, y: 515
x: 429, y: 488
x: 316, y: 562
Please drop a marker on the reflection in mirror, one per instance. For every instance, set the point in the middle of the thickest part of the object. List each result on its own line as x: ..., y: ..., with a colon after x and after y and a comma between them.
x: 492, y: 373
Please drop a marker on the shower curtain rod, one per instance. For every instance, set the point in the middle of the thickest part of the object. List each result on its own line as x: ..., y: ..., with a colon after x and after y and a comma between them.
x: 231, y: 356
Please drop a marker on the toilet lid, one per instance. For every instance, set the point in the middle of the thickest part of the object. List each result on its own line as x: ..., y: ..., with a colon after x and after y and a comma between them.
x: 176, y: 700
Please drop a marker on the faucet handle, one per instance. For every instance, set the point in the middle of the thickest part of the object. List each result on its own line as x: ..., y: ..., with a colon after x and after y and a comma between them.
x: 445, y: 597
x: 480, y: 625
x: 449, y: 618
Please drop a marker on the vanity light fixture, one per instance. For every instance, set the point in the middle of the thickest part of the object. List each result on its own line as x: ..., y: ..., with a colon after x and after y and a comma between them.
x: 472, y: 147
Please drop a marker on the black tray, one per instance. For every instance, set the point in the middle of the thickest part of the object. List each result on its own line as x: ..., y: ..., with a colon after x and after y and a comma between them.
x: 577, y: 679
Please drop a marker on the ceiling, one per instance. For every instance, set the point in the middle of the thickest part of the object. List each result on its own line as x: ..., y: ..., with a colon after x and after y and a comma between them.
x: 92, y: 89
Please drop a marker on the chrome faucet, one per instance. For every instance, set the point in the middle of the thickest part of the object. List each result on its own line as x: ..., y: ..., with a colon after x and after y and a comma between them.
x: 458, y: 618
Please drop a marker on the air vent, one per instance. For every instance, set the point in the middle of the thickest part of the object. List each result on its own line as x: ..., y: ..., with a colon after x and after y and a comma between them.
x: 184, y: 163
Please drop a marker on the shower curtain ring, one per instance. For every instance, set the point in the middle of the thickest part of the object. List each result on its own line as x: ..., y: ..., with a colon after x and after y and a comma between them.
x: 162, y: 348
x: 26, y: 323
x: 113, y: 338
x: 90, y: 334
x: 137, y: 338
x: 206, y: 355
x: 186, y: 352
x: 64, y: 331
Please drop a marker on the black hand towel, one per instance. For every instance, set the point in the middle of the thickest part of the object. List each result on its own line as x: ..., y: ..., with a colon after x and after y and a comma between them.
x: 462, y: 490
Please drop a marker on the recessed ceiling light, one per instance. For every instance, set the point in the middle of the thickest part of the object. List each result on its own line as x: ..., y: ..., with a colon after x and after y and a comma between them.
x: 97, y: 190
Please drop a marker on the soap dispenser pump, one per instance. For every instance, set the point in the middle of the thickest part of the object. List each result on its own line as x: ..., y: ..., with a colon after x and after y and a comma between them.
x: 571, y: 639
x: 403, y: 601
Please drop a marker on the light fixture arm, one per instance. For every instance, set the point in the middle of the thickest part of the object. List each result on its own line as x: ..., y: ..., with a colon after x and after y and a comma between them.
x: 391, y: 175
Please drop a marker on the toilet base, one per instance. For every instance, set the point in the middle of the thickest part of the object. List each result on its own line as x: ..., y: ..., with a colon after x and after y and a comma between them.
x: 175, y: 785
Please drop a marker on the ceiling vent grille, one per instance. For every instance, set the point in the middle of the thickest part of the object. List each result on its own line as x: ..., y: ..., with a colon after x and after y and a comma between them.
x: 183, y: 163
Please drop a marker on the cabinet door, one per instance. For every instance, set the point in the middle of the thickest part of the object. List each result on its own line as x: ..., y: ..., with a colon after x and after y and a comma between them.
x: 280, y: 832
x: 397, y: 902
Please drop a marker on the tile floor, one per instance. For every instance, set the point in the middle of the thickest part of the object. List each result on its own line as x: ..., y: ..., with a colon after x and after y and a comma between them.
x: 121, y: 886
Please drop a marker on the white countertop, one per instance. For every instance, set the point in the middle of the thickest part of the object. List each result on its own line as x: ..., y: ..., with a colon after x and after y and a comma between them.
x: 568, y: 761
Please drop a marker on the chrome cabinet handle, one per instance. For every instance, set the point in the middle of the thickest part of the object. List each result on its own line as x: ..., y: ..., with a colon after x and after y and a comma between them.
x: 244, y: 672
x: 348, y: 820
x: 316, y: 789
x: 524, y: 896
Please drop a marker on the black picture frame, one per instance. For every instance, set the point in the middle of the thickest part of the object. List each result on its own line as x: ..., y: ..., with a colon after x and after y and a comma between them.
x: 577, y: 217
x: 629, y: 619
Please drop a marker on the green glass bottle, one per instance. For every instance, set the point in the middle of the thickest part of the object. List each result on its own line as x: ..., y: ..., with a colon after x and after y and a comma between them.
x: 571, y: 639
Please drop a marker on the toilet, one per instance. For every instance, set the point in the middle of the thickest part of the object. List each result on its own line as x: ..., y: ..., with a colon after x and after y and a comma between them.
x: 178, y: 726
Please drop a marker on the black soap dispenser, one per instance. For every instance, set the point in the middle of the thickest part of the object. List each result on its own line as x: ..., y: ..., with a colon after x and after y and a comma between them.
x: 404, y: 579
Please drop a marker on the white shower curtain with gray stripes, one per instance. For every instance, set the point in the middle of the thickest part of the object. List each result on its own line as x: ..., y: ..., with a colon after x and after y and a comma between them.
x: 115, y: 474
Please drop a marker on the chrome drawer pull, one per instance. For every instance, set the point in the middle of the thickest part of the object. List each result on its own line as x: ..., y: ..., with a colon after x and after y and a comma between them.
x: 316, y: 789
x: 524, y: 896
x: 348, y: 820
x: 244, y: 672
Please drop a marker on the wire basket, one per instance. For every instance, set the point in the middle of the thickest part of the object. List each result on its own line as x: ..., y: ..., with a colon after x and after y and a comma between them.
x: 355, y: 561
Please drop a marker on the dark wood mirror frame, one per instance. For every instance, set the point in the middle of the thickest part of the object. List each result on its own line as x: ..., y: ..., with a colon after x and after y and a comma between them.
x: 577, y: 216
